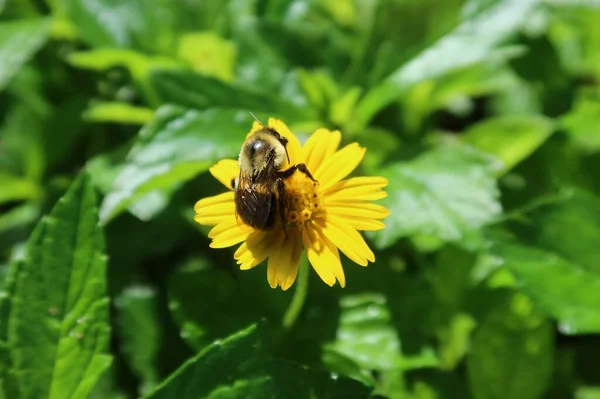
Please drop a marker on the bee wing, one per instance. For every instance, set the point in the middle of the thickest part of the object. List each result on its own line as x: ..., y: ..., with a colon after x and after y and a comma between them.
x: 252, y: 202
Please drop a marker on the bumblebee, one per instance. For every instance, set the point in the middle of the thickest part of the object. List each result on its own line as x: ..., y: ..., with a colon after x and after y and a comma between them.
x: 259, y: 189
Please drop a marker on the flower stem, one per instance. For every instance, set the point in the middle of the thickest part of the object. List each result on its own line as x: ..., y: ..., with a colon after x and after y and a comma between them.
x: 300, y: 293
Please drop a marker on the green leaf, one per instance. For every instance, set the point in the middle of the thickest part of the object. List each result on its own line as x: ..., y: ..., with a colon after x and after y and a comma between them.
x: 16, y: 189
x: 587, y: 392
x: 209, y: 54
x: 229, y: 309
x: 477, y: 39
x: 562, y: 289
x: 19, y: 41
x: 186, y: 88
x: 55, y: 317
x: 339, y: 363
x: 365, y: 333
x: 139, y: 328
x: 455, y: 340
x: 240, y: 367
x: 146, y: 24
x: 115, y: 112
x: 258, y: 64
x: 366, y: 341
x: 173, y: 148
x: 509, y: 138
x: 449, y: 193
x: 138, y: 64
x: 91, y: 21
x: 550, y: 225
x: 582, y: 122
x: 18, y: 217
x: 22, y: 152
x: 453, y: 94
x: 511, y: 354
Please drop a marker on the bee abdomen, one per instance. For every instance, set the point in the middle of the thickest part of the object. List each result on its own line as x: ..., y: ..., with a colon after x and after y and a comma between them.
x: 255, y: 208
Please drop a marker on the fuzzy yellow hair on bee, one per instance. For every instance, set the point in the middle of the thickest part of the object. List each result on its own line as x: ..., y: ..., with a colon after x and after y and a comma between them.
x: 260, y: 186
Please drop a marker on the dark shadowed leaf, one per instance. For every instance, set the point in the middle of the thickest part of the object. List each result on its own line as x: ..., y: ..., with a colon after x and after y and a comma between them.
x: 511, y: 354
x: 567, y: 224
x: 54, y: 318
x: 139, y: 328
x: 240, y: 367
x: 229, y: 308
x: 187, y: 88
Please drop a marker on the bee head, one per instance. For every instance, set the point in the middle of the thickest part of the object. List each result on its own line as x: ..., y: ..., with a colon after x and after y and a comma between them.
x: 265, y: 148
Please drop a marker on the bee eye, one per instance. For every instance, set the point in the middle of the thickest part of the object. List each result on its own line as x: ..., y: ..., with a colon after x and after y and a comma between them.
x: 283, y: 140
x: 257, y: 145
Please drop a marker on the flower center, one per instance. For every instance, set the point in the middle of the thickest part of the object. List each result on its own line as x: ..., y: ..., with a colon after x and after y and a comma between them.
x: 303, y: 200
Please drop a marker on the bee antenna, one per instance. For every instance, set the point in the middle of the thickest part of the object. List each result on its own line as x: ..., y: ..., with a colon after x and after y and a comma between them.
x: 255, y: 118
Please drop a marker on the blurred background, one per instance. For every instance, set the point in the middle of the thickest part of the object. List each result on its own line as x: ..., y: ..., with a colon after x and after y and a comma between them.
x: 483, y: 114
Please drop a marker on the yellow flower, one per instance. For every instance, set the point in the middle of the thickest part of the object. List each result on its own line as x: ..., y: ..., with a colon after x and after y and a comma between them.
x: 320, y: 217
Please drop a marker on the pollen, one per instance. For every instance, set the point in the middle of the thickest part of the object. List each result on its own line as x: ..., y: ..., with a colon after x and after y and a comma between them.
x: 303, y: 201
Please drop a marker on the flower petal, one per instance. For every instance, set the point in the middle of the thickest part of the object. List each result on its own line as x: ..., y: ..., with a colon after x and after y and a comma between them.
x: 323, y: 256
x: 284, y: 261
x: 213, y: 210
x: 339, y: 165
x: 225, y: 170
x: 361, y: 209
x: 256, y: 126
x: 294, y: 148
x: 358, y: 188
x: 321, y: 144
x: 347, y: 239
x: 364, y: 224
x: 228, y: 233
x: 254, y: 250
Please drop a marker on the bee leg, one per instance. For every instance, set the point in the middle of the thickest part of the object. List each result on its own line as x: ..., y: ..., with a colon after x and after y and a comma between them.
x: 297, y: 167
x: 233, y: 183
x: 281, y: 203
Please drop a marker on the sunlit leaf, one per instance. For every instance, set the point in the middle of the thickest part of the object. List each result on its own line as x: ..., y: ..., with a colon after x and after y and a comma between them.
x: 147, y: 24
x: 173, y: 148
x: 562, y: 289
x: 582, y: 123
x: 117, y: 113
x: 19, y: 40
x: 208, y: 54
x: 54, y: 316
x: 511, y: 139
x: 366, y: 335
x: 477, y: 39
x: 16, y: 189
x: 449, y: 193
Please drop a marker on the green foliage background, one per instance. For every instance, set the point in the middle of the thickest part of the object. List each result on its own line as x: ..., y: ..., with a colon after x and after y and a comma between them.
x: 483, y: 114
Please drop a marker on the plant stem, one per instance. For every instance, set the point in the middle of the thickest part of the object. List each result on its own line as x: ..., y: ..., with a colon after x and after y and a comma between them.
x: 300, y: 292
